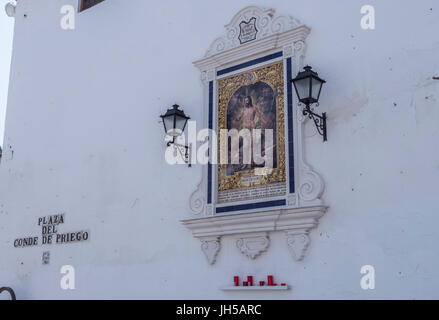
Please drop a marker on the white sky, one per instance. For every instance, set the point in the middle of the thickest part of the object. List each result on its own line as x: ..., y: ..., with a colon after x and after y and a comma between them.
x: 6, y: 33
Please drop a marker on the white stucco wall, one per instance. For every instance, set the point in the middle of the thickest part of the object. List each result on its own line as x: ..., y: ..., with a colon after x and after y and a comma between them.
x: 82, y: 121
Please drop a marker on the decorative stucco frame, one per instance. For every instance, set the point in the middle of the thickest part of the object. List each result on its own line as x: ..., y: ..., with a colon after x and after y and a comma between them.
x: 278, y: 38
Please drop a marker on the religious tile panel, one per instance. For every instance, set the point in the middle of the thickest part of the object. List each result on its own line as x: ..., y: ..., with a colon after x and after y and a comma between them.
x: 253, y: 102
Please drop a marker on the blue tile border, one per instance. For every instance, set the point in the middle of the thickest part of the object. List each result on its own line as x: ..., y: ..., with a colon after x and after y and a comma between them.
x: 258, y: 205
x: 249, y: 63
x: 290, y: 126
x: 209, y: 165
x: 211, y: 105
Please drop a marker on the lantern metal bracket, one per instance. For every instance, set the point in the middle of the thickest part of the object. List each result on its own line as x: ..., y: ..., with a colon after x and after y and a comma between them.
x: 184, y: 150
x: 319, y: 121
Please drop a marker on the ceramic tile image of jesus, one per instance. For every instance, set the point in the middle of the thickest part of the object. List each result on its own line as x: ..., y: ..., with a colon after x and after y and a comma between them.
x: 252, y: 107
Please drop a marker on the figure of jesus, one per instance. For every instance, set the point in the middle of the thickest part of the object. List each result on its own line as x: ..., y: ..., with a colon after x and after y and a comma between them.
x: 248, y: 114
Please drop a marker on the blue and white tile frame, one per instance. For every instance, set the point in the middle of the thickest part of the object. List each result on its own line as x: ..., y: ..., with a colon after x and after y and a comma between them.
x: 280, y: 38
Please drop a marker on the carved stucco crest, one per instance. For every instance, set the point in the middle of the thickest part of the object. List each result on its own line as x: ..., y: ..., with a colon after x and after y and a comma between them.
x: 267, y: 22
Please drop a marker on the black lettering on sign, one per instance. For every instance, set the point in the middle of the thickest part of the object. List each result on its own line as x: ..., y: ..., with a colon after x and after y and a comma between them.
x: 26, y: 242
x: 72, y: 237
x: 49, y: 233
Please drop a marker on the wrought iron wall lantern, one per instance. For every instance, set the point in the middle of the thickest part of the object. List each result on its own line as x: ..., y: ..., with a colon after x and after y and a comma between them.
x: 308, y: 86
x: 174, y: 122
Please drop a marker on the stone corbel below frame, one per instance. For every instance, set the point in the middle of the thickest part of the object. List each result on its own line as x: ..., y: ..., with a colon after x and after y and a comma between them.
x: 253, y: 230
x: 252, y: 245
x: 211, y: 246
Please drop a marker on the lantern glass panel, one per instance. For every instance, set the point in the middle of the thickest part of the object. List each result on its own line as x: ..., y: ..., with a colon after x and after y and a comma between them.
x: 302, y: 88
x: 169, y: 125
x: 316, y: 87
x: 180, y: 123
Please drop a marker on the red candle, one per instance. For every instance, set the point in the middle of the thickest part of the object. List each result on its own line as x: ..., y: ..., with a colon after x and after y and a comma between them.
x: 270, y: 280
x: 245, y: 283
x: 261, y: 283
x: 236, y: 280
x: 250, y: 280
x: 283, y: 284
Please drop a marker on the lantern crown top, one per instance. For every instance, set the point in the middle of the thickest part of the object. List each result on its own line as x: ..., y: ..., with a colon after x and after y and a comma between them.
x: 175, y: 111
x: 308, y: 72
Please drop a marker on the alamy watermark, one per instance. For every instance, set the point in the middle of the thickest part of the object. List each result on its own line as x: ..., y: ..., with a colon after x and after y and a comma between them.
x: 367, y: 21
x: 368, y: 280
x: 68, y: 17
x: 248, y: 147
x: 68, y: 279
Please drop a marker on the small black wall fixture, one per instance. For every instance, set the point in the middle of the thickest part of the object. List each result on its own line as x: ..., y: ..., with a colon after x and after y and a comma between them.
x: 174, y: 122
x: 10, y: 291
x: 308, y: 86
